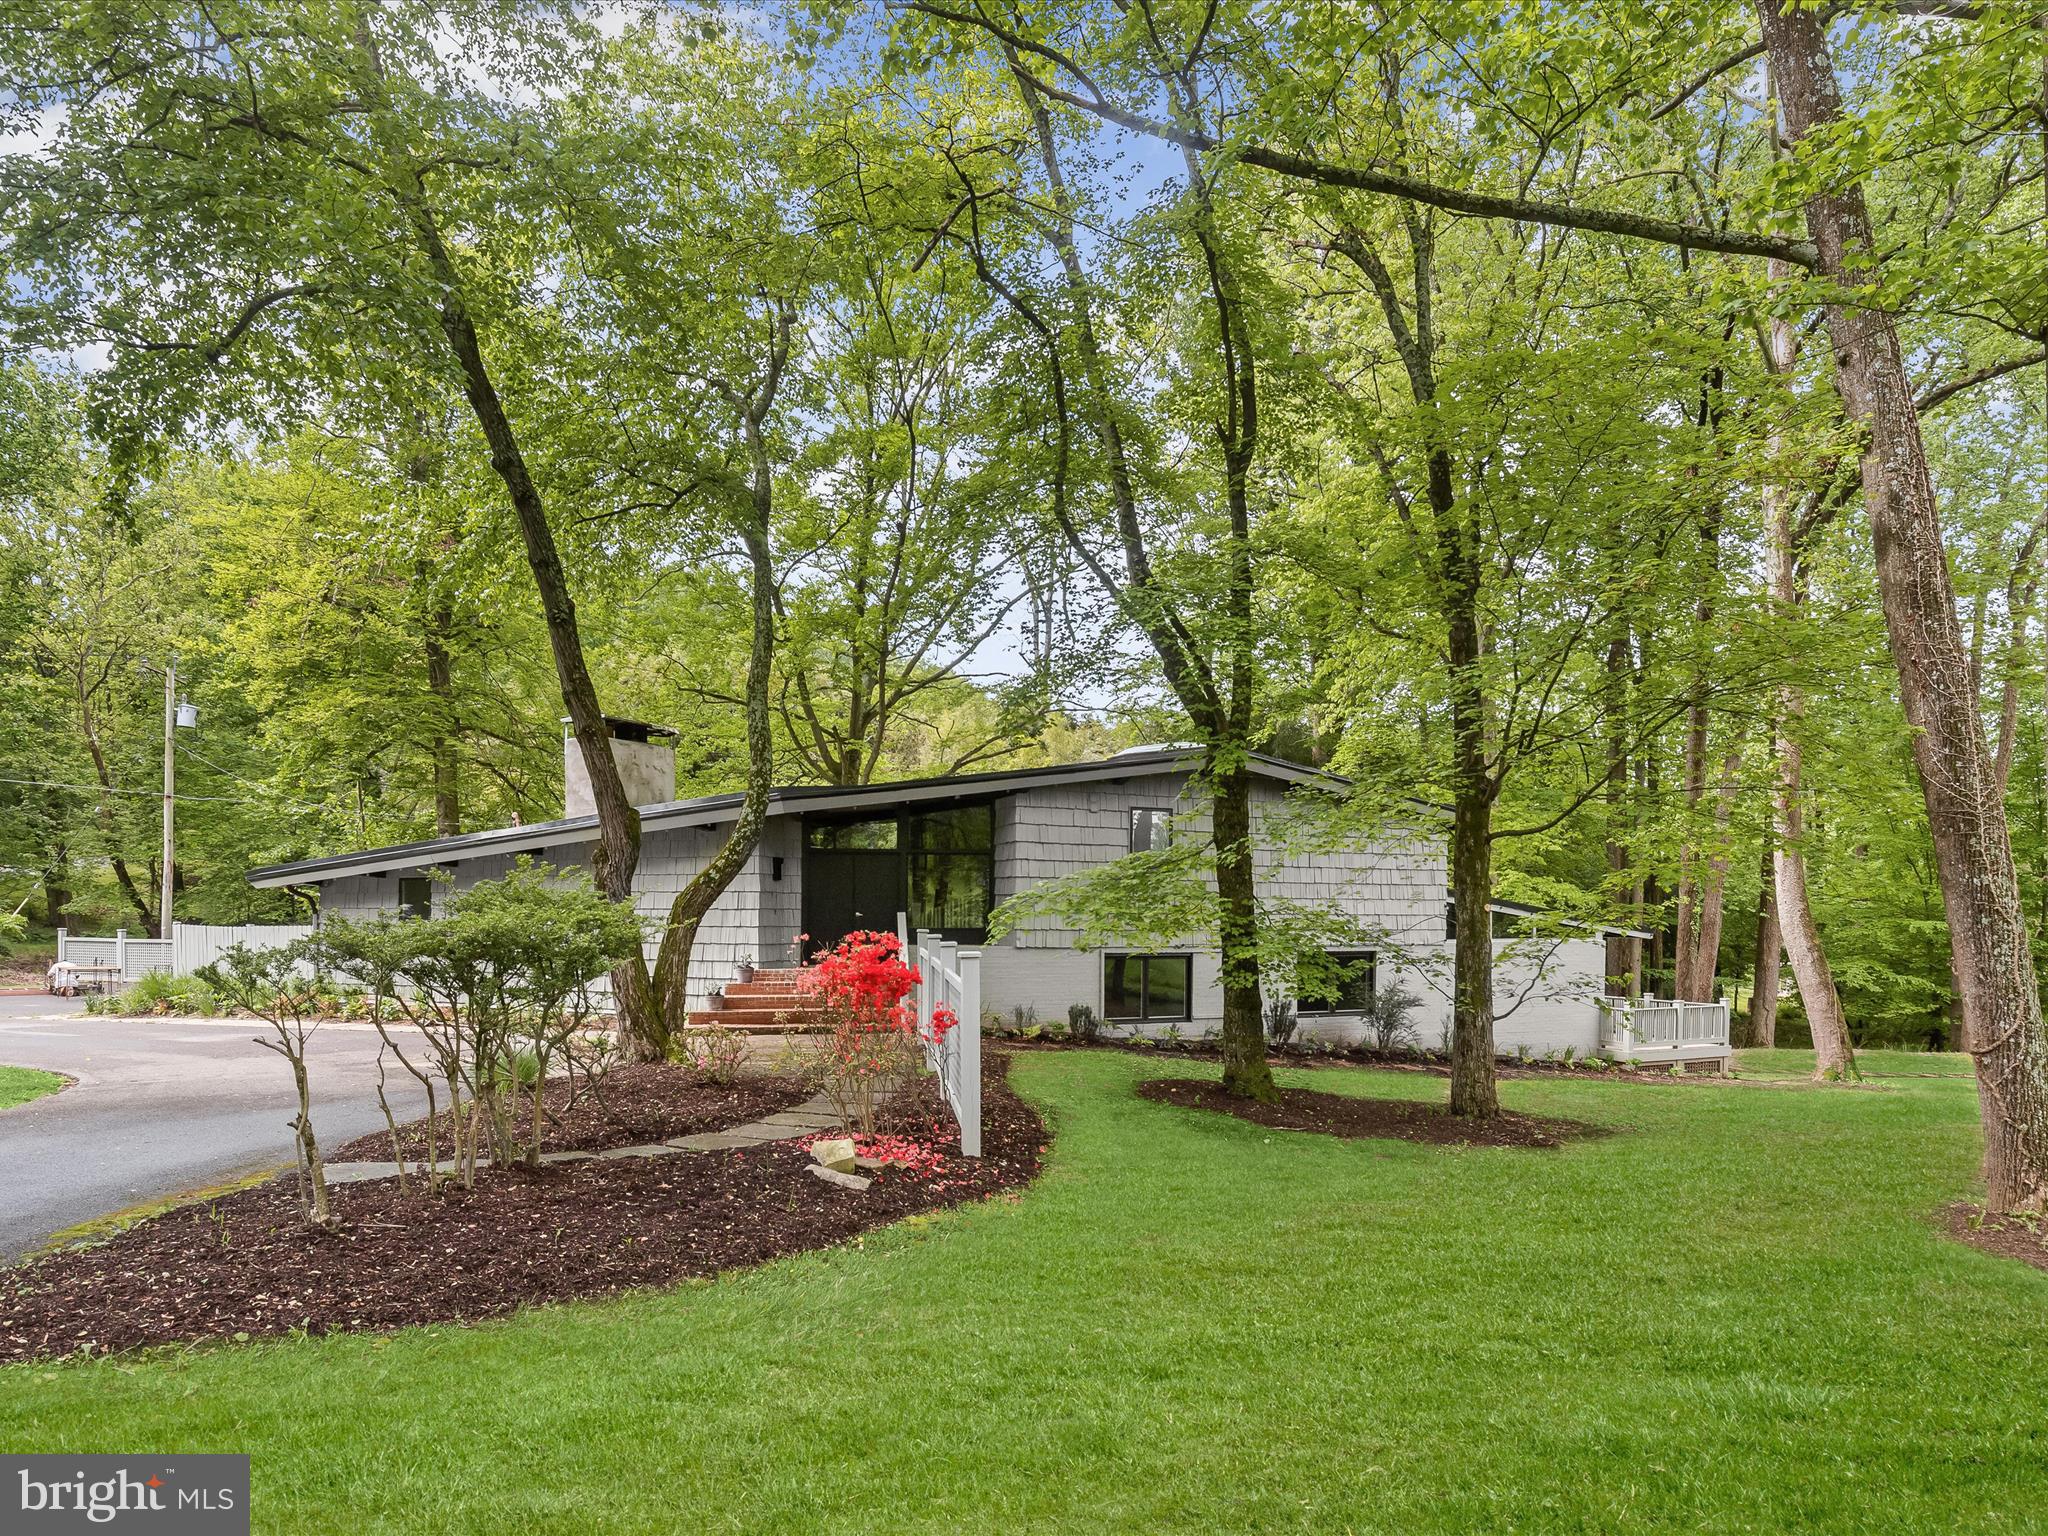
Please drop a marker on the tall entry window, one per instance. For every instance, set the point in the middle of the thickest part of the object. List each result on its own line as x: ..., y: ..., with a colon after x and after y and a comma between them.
x: 952, y: 857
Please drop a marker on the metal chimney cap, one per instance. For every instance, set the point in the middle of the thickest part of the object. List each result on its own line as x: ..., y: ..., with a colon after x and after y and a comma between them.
x: 623, y: 729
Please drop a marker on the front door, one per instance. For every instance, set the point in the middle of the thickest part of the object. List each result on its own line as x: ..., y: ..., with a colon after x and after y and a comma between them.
x: 853, y: 880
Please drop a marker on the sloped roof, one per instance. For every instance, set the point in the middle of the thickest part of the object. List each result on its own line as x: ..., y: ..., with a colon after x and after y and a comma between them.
x: 710, y: 810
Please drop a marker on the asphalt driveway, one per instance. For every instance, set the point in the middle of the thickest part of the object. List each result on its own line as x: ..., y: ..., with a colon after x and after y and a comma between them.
x: 163, y: 1106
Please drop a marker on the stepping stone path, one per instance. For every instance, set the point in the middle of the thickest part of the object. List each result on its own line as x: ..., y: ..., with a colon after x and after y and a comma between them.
x: 814, y: 1114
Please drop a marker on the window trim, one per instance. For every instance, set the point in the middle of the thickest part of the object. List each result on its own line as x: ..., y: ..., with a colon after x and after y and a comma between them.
x: 1145, y: 1015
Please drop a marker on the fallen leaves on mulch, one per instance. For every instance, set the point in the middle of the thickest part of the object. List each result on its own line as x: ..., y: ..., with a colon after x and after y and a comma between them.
x: 1336, y: 1114
x: 243, y: 1265
x: 2007, y: 1237
x: 638, y: 1103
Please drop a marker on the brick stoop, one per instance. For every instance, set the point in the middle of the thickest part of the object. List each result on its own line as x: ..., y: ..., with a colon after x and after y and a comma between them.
x: 773, y: 1003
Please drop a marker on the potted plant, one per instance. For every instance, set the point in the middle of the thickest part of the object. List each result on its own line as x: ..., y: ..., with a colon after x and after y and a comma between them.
x: 716, y: 1001
x: 744, y: 971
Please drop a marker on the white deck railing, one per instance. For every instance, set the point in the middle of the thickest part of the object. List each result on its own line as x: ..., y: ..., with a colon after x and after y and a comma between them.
x: 1630, y: 1026
x: 949, y: 976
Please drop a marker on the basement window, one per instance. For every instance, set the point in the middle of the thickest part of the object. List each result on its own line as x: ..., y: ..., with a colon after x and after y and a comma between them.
x: 1147, y: 986
x: 415, y: 896
x: 1348, y: 988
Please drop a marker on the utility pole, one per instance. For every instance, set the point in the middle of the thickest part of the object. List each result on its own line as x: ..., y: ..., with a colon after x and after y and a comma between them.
x: 170, y: 788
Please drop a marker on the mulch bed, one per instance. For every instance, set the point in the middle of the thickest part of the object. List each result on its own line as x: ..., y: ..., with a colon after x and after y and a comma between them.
x: 638, y: 1103
x: 243, y: 1265
x: 2007, y: 1237
x: 1336, y: 1114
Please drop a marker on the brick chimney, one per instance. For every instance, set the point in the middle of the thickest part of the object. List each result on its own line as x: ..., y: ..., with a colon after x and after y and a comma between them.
x: 646, y: 755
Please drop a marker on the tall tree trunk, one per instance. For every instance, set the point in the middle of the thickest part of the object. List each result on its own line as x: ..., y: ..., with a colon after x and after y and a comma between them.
x: 1762, y: 1026
x: 1624, y: 950
x: 1798, y: 929
x: 1220, y: 708
x: 441, y: 743
x: 1699, y: 939
x: 1473, y: 1090
x: 617, y: 855
x: 1459, y: 584
x: 2002, y: 1022
x: 686, y: 913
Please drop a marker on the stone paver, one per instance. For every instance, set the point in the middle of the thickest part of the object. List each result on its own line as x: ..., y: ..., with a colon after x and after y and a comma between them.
x: 814, y: 1114
x: 843, y: 1180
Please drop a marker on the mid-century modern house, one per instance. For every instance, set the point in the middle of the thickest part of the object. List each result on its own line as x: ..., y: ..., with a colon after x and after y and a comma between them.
x: 943, y: 852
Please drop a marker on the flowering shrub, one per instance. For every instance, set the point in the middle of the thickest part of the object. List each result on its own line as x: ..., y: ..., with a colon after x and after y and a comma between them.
x: 718, y: 1054
x: 864, y: 978
x: 861, y: 988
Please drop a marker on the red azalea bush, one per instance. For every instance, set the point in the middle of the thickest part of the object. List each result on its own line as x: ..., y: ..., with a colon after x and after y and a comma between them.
x: 862, y: 986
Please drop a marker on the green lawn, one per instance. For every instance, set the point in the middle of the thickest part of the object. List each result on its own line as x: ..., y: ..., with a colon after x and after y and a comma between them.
x: 1736, y: 1316
x: 20, y: 1084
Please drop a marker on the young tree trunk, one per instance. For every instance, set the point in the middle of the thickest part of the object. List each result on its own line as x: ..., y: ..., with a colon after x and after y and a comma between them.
x: 309, y: 1148
x: 2002, y: 1021
x: 1762, y: 1028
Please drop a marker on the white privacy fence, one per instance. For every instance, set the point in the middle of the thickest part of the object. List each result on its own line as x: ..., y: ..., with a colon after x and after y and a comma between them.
x: 950, y: 977
x: 1628, y: 1026
x: 190, y: 946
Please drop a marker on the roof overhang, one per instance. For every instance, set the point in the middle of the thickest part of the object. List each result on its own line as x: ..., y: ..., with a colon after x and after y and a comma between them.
x: 714, y: 810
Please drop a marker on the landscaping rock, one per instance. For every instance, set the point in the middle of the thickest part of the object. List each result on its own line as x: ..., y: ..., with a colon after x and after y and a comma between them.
x: 835, y: 1153
x: 843, y: 1180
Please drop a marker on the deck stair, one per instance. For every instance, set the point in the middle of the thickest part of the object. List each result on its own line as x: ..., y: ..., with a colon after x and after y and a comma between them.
x: 773, y: 1003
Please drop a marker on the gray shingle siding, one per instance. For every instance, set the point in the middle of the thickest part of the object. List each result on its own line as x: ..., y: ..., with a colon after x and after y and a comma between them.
x: 1392, y: 885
